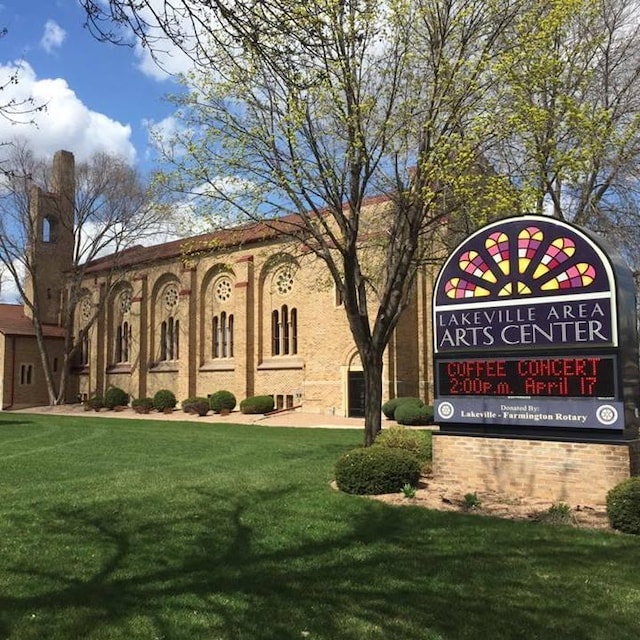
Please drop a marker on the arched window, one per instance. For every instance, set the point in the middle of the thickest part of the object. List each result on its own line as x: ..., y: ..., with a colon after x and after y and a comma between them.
x: 84, y: 350
x: 85, y: 315
x: 221, y: 302
x: 284, y: 320
x: 163, y: 340
x: 176, y: 340
x: 222, y: 335
x: 275, y: 333
x: 123, y: 340
x: 215, y: 328
x: 122, y: 329
x: 284, y: 331
x: 48, y: 229
x: 293, y: 331
x: 170, y: 339
x: 170, y: 325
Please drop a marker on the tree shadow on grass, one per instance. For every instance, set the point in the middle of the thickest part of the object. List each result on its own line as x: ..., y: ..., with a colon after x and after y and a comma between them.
x: 357, y: 569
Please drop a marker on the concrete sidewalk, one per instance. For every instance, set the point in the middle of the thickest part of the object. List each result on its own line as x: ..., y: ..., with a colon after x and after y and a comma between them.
x: 292, y: 418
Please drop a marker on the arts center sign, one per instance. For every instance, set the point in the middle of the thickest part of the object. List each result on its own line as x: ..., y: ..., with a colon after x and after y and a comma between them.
x: 535, y: 331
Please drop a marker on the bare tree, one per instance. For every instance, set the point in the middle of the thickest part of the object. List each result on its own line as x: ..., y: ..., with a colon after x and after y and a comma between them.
x: 313, y: 107
x: 110, y: 210
x: 17, y: 110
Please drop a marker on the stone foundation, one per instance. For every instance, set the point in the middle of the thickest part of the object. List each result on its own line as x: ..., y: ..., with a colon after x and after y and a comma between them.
x: 571, y: 472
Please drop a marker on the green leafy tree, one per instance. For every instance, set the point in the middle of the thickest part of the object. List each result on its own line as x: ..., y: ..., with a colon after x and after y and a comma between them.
x: 312, y: 107
x: 567, y: 113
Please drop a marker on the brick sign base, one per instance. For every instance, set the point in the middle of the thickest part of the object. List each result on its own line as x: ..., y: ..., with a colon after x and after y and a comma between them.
x: 571, y: 472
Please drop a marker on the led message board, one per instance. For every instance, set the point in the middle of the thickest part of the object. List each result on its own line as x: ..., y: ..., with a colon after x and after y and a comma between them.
x: 566, y: 377
x: 534, y: 327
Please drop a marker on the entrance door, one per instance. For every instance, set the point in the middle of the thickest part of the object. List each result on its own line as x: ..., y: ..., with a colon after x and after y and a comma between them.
x: 356, y: 394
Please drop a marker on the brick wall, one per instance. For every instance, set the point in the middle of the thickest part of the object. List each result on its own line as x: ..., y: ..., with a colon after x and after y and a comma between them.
x: 572, y: 472
x: 23, y: 380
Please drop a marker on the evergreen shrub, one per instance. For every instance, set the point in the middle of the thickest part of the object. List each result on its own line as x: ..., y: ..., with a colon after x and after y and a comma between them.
x: 390, y: 406
x: 398, y: 437
x: 623, y: 506
x: 188, y: 405
x: 95, y: 402
x: 164, y: 399
x: 115, y: 397
x: 376, y: 470
x: 257, y: 404
x: 142, y: 405
x: 222, y: 401
x: 414, y: 414
x: 200, y: 406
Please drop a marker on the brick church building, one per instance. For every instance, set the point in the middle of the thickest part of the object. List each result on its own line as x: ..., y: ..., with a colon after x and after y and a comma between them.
x: 245, y: 311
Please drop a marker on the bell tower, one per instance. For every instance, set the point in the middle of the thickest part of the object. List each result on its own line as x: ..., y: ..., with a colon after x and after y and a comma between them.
x: 51, y: 245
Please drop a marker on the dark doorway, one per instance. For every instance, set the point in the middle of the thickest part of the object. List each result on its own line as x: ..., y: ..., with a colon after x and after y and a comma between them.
x: 356, y: 394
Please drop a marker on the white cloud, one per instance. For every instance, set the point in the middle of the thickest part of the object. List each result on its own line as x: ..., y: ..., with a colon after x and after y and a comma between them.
x: 161, y: 58
x: 8, y: 289
x: 54, y: 36
x: 66, y: 123
x: 167, y: 63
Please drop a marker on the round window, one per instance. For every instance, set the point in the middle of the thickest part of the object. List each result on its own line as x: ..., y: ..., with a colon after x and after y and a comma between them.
x: 171, y: 296
x: 125, y: 301
x: 223, y: 290
x: 284, y: 281
x: 86, y: 309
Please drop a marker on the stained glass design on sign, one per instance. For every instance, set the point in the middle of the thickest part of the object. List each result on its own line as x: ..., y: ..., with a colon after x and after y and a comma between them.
x: 497, y: 244
x: 529, y: 262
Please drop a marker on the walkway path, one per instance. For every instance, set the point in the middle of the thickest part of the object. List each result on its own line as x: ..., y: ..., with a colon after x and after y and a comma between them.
x: 282, y: 419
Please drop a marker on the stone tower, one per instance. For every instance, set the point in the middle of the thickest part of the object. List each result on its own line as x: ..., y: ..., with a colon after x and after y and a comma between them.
x: 52, y: 243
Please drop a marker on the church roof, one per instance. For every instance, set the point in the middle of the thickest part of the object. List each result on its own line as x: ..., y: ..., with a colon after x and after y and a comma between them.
x: 224, y: 238
x: 247, y: 234
x: 13, y: 322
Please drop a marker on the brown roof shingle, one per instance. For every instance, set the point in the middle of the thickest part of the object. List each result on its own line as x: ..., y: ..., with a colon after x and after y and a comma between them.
x: 13, y: 322
x: 247, y: 234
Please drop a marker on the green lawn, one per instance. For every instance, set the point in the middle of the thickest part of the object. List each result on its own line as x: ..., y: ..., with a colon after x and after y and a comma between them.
x: 119, y: 529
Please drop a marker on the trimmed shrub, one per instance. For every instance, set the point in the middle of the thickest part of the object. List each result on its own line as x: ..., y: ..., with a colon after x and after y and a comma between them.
x: 623, y: 506
x: 257, y: 404
x: 164, y: 399
x: 115, y: 397
x: 414, y: 414
x: 201, y: 407
x: 142, y: 405
x: 376, y: 470
x: 222, y: 401
x: 396, y: 437
x: 95, y: 402
x: 389, y: 407
x: 188, y: 405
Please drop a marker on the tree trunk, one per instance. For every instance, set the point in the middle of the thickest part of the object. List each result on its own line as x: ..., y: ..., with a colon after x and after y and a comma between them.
x: 44, y: 359
x: 372, y: 368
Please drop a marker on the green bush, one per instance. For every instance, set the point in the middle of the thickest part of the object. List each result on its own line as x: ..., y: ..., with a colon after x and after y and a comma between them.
x: 414, y: 414
x: 623, y: 506
x: 164, y: 399
x: 115, y: 397
x: 188, y: 405
x: 257, y: 404
x: 95, y: 402
x: 201, y: 407
x: 142, y: 405
x: 396, y: 437
x: 222, y: 401
x: 376, y: 470
x: 389, y: 407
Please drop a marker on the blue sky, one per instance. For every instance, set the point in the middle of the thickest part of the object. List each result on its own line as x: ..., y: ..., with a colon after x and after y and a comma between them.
x: 101, y: 97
